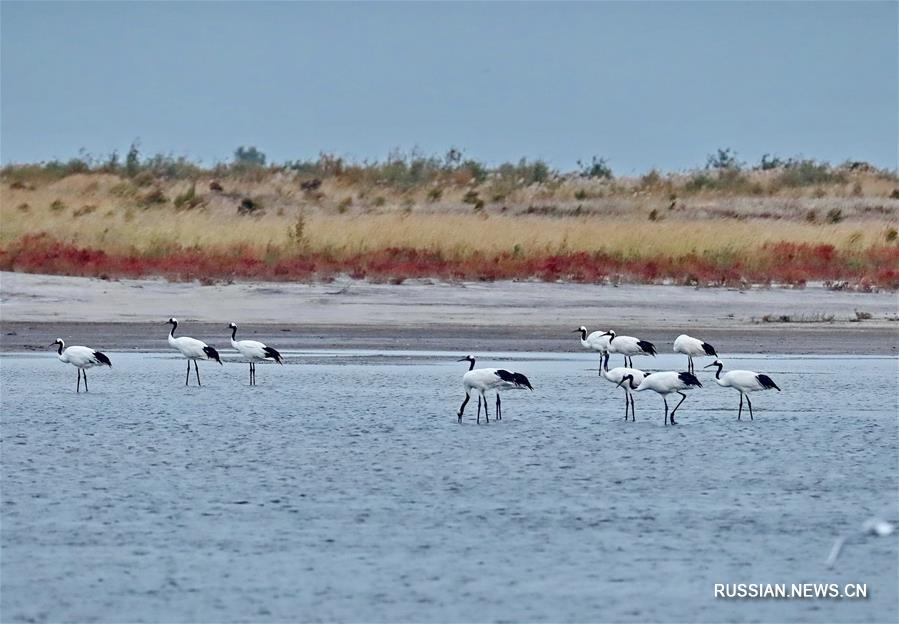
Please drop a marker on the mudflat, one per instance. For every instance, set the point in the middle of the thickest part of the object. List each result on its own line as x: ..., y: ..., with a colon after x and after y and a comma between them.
x: 429, y: 315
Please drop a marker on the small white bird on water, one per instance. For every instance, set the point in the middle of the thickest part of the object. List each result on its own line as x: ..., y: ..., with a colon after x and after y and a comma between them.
x: 616, y: 375
x: 485, y: 379
x: 81, y: 358
x: 744, y: 382
x: 693, y: 347
x: 192, y: 349
x: 628, y: 346
x: 872, y: 526
x: 254, y: 351
x: 665, y: 383
x: 597, y: 341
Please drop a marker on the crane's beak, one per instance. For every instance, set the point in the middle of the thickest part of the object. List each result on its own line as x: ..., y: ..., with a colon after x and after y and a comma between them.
x: 52, y: 344
x: 576, y: 331
x: 710, y: 365
x: 462, y: 360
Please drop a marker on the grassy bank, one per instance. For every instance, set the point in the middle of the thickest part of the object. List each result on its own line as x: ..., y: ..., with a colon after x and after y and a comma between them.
x: 788, y: 223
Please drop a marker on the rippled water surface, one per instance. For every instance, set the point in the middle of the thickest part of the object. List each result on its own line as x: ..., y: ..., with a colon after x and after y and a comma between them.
x: 342, y: 488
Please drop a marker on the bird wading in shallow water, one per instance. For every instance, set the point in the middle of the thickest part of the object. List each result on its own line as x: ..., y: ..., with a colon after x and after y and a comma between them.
x: 616, y: 375
x: 628, y: 346
x: 254, y: 351
x: 693, y: 347
x: 597, y: 341
x: 192, y: 349
x: 81, y: 358
x: 485, y: 379
x: 665, y: 383
x: 744, y: 382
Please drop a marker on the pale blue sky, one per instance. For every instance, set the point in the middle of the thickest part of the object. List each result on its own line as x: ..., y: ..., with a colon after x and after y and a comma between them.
x: 643, y: 84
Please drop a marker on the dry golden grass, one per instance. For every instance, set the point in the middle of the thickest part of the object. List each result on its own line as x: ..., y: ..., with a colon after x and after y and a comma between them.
x: 110, y: 212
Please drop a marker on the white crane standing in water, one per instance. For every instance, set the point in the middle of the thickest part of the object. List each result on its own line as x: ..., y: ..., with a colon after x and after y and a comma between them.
x: 597, y: 341
x: 628, y: 346
x: 485, y: 379
x: 616, y: 375
x: 744, y: 382
x: 81, y: 358
x: 254, y: 351
x: 192, y: 349
x: 665, y: 383
x: 692, y: 347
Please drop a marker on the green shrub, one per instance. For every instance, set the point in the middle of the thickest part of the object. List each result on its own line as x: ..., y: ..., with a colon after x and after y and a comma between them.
x: 800, y: 173
x: 597, y: 168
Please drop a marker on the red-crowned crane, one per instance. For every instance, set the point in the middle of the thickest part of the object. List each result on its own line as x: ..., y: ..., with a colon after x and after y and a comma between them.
x: 81, y: 358
x: 485, y: 379
x: 665, y: 383
x: 616, y: 375
x: 628, y: 346
x: 596, y: 341
x: 744, y: 382
x: 693, y: 347
x: 192, y: 349
x: 254, y: 352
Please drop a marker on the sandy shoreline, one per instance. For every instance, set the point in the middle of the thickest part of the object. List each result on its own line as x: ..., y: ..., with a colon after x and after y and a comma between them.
x: 467, y: 317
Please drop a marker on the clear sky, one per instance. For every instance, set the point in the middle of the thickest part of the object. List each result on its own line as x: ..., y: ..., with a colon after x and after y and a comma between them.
x: 644, y: 84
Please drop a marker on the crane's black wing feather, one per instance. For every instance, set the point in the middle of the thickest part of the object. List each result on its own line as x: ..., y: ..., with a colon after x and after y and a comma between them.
x: 212, y: 354
x: 647, y: 347
x: 516, y: 378
x: 102, y: 358
x: 689, y: 379
x: 709, y: 349
x: 273, y: 354
x: 767, y: 382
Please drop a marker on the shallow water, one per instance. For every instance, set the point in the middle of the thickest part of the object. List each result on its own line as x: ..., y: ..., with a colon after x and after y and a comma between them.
x: 341, y: 488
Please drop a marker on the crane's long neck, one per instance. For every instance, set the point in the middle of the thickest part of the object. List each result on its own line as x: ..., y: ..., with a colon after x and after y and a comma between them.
x: 61, y: 345
x: 174, y: 327
x: 718, y: 373
x: 584, y: 339
x: 472, y: 364
x: 605, y: 364
x: 233, y: 334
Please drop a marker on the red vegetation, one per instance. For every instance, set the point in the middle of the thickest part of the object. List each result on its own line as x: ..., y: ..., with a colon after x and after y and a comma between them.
x: 782, y: 262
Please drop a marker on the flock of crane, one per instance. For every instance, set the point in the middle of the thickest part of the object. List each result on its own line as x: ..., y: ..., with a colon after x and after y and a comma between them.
x: 483, y: 380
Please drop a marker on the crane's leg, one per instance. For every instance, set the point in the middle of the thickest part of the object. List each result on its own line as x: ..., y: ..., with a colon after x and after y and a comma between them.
x: 78, y: 385
x: 187, y: 379
x: 690, y: 363
x: 748, y: 402
x: 254, y: 373
x: 499, y: 408
x: 84, y: 372
x: 740, y: 412
x: 486, y: 413
x: 683, y: 397
x: 462, y: 407
x: 625, y: 405
x: 479, y: 409
x: 633, y: 417
x: 197, y: 371
x: 665, y: 399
